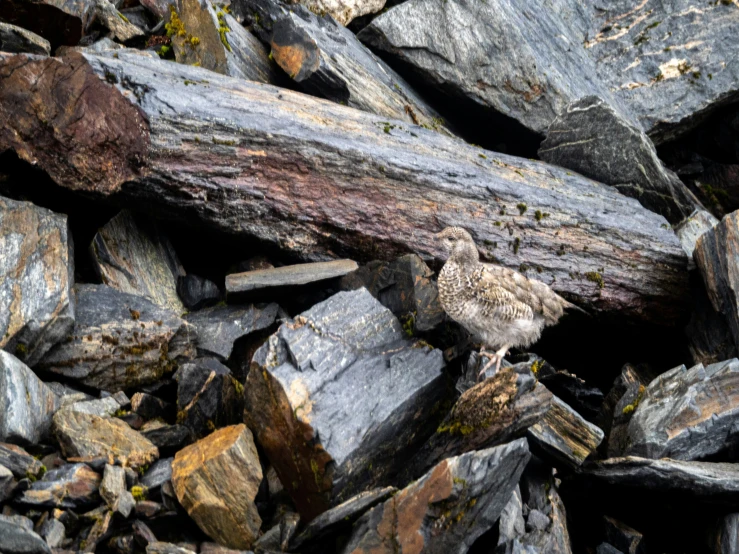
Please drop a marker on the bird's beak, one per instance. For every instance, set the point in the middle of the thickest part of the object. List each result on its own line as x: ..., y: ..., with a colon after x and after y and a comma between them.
x: 437, y: 236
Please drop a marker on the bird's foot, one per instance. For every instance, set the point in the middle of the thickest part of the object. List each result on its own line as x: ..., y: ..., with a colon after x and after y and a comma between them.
x: 496, y: 358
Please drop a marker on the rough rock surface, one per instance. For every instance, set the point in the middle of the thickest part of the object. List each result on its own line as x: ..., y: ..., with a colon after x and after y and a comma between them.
x: 687, y: 414
x: 117, y: 23
x: 618, y: 408
x: 565, y: 435
x: 584, y: 398
x: 20, y: 462
x: 71, y: 486
x: 410, y: 175
x: 344, y: 11
x: 446, y: 509
x: 197, y: 292
x: 120, y: 340
x: 26, y: 403
x: 17, y: 39
x: 404, y: 286
x: 207, y: 35
x: 17, y: 540
x: 593, y: 138
x: 693, y: 228
x: 131, y: 255
x: 219, y: 327
x: 216, y: 480
x: 90, y: 436
x: 710, y: 482
x: 714, y: 255
x: 277, y: 278
x: 327, y: 60
x: 36, y: 278
x: 726, y: 539
x: 338, y: 399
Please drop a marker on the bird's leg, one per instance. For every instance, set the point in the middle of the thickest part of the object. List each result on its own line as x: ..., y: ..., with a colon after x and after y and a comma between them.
x: 496, y: 358
x: 499, y: 355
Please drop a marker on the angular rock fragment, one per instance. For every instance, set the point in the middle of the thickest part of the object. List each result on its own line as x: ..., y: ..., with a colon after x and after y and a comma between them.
x: 100, y: 406
x: 159, y: 473
x: 565, y: 435
x: 709, y: 482
x: 403, y: 286
x: 90, y: 436
x: 618, y: 408
x: 327, y: 60
x: 120, y: 341
x: 219, y: 327
x: 591, y: 137
x: 131, y: 255
x: 208, y: 397
x: 113, y: 484
x: 463, y: 48
x: 6, y: 483
x: 149, y: 406
x: 623, y: 537
x: 714, y: 255
x: 17, y: 39
x: 117, y: 23
x: 207, y: 35
x: 216, y: 480
x: 70, y: 486
x: 726, y: 539
x: 26, y: 403
x: 169, y: 438
x: 693, y: 228
x: 100, y: 528
x: 36, y: 278
x: 17, y: 540
x: 20, y: 462
x: 573, y: 391
x: 339, y: 400
x: 283, y: 278
x: 344, y: 11
x: 493, y: 412
x: 447, y: 509
x: 197, y: 292
x: 341, y: 516
x: 512, y: 524
x: 166, y: 548
x: 392, y: 205
x: 687, y: 414
x: 53, y: 532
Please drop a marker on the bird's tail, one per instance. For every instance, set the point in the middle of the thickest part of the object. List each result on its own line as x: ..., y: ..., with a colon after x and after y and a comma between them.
x: 571, y: 306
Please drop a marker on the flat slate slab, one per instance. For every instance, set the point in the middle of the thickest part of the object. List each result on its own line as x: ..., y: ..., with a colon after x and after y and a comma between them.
x: 288, y: 276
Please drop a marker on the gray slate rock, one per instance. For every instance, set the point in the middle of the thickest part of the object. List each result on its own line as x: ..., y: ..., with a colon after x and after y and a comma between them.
x: 687, y: 414
x: 26, y: 403
x: 6, y: 483
x: 219, y: 327
x: 20, y: 462
x: 36, y: 278
x: 327, y: 60
x: 113, y: 484
x: 100, y: 406
x: 131, y: 255
x: 511, y: 525
x: 159, y: 473
x: 166, y: 548
x: 726, y: 540
x: 17, y: 540
x: 626, y: 539
x: 197, y: 292
x: 71, y: 486
x: 283, y: 278
x: 464, y: 48
x: 693, y: 228
x: 120, y: 341
x: 437, y: 514
x: 18, y: 39
x: 53, y: 532
x: 592, y: 137
x: 605, y: 548
x: 348, y: 393
x: 715, y: 483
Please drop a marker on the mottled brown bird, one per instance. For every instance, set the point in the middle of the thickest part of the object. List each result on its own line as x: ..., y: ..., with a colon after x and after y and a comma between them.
x: 500, y: 307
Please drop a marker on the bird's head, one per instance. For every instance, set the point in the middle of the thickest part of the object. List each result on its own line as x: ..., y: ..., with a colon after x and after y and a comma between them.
x: 458, y: 244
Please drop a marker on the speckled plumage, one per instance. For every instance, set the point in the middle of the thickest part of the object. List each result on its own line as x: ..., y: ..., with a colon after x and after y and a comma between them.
x: 500, y: 307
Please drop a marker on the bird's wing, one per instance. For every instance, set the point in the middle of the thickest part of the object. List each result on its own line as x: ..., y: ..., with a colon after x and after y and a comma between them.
x: 497, y: 299
x: 539, y: 298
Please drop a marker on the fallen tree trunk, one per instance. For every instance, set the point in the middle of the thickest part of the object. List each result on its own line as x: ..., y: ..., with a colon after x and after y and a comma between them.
x: 322, y: 180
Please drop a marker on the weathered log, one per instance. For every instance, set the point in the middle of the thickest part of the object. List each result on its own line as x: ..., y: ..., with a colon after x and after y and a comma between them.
x: 327, y: 60
x: 323, y: 180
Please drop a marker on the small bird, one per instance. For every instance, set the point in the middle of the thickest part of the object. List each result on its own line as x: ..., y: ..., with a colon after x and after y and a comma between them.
x: 500, y: 307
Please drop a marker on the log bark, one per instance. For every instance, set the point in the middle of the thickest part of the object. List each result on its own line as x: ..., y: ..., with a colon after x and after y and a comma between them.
x: 322, y: 181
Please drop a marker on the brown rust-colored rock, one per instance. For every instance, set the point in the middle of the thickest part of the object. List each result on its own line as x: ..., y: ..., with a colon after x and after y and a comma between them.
x: 88, y: 436
x: 253, y: 160
x: 216, y: 480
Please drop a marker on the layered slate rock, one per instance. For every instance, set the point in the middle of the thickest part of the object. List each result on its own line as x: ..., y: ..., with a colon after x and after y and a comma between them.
x: 344, y: 11
x: 71, y: 486
x: 120, y: 341
x: 726, y: 536
x: 595, y: 139
x: 209, y: 36
x: 197, y: 292
x: 327, y: 60
x: 564, y: 435
x: 490, y: 413
x: 282, y: 279
x: 585, y: 399
x: 88, y: 436
x: 20, y: 462
x: 18, y: 540
x: 687, y: 414
x: 17, y: 39
x: 339, y: 400
x: 26, y: 403
x: 208, y: 396
x: 131, y: 255
x: 618, y: 408
x: 118, y: 24
x: 447, y: 509
x: 216, y: 480
x: 404, y: 286
x: 463, y: 47
x: 219, y: 327
x: 693, y: 228
x: 36, y: 278
x: 710, y: 482
x: 389, y: 191
x: 715, y: 252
